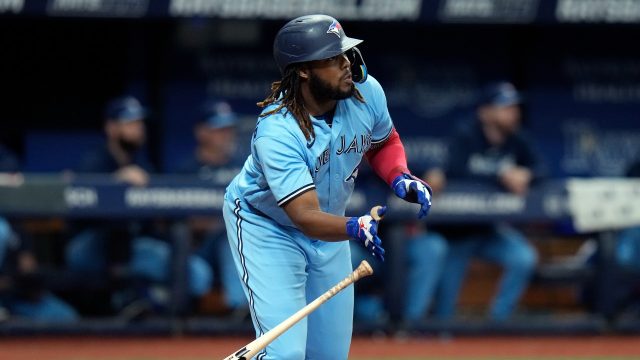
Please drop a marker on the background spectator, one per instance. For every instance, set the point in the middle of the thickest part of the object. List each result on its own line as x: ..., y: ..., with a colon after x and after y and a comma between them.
x: 23, y: 289
x: 128, y: 253
x: 493, y: 150
x: 23, y: 286
x: 216, y: 160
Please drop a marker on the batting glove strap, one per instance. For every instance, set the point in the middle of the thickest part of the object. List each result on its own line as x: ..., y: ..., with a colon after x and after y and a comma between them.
x: 365, y: 230
x: 413, y: 189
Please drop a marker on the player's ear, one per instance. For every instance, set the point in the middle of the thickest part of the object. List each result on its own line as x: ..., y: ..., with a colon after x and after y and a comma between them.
x: 304, y: 72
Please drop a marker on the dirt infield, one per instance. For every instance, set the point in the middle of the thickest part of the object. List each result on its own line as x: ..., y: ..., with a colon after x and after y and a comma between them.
x: 363, y: 348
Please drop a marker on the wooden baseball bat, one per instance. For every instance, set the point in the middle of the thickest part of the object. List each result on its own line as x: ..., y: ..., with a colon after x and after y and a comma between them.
x: 251, y: 349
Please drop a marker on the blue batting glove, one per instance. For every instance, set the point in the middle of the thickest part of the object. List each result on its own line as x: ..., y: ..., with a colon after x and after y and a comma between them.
x: 365, y: 230
x: 413, y: 189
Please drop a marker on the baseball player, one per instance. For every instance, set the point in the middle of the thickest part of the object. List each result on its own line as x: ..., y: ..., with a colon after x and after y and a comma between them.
x: 284, y: 211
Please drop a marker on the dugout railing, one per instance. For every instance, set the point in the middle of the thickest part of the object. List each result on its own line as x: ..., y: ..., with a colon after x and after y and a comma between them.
x: 176, y: 198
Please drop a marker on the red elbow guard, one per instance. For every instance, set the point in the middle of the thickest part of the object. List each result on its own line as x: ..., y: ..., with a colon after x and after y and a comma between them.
x: 389, y: 160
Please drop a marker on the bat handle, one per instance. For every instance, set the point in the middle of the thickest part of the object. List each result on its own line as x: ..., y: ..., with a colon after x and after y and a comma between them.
x: 374, y: 213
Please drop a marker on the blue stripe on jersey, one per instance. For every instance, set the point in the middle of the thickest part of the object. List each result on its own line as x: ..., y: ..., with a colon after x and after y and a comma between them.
x: 245, y: 272
x: 292, y: 195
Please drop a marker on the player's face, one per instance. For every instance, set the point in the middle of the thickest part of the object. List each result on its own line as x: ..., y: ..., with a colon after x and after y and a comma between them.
x: 330, y: 79
x: 504, y: 118
x: 131, y: 134
x: 220, y: 140
x: 508, y: 118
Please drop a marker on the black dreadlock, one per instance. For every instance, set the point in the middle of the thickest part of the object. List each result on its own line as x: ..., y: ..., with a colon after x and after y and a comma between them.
x: 289, y: 88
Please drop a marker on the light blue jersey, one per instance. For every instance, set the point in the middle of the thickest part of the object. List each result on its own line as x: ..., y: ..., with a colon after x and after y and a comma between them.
x: 282, y: 270
x: 283, y: 164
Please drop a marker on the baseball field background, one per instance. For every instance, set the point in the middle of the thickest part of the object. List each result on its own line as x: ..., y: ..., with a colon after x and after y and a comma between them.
x: 576, y: 63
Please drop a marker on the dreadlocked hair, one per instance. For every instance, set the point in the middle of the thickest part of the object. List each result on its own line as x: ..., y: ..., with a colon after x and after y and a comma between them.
x: 291, y: 100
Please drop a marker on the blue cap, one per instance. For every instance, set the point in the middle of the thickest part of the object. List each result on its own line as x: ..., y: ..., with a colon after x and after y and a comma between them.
x: 218, y: 115
x: 125, y: 109
x: 500, y: 94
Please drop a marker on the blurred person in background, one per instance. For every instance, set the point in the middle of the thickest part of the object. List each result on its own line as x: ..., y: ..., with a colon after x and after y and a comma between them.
x: 123, y: 251
x: 216, y: 157
x: 627, y: 255
x: 424, y: 259
x: 23, y: 288
x: 628, y: 245
x: 123, y: 154
x: 426, y: 253
x: 493, y: 150
x: 622, y: 262
x: 216, y: 160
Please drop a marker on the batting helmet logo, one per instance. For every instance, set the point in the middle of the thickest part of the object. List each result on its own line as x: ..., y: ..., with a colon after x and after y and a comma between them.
x: 335, y: 28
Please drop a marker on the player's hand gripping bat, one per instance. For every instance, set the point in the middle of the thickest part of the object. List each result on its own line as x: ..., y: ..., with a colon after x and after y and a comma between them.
x: 365, y: 230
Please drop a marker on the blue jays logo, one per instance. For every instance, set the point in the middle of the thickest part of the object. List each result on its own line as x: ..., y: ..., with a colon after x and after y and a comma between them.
x: 334, y: 28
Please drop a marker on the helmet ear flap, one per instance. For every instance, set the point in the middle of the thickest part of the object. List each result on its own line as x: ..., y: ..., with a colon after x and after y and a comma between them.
x: 358, y: 67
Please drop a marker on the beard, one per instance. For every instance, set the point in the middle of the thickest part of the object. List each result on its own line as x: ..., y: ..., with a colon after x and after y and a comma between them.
x: 129, y: 146
x: 322, y: 90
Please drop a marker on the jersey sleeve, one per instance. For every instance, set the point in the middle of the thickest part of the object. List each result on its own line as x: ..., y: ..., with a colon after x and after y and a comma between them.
x: 284, y: 168
x: 375, y: 97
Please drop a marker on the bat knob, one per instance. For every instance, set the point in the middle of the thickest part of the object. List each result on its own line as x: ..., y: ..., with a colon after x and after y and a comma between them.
x: 377, y: 212
x: 364, y: 268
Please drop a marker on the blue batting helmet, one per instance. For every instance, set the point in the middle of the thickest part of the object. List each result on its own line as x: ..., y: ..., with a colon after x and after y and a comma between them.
x: 316, y: 37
